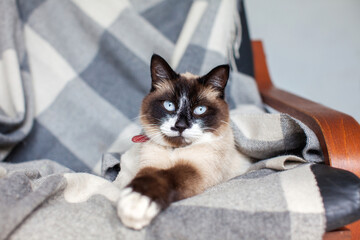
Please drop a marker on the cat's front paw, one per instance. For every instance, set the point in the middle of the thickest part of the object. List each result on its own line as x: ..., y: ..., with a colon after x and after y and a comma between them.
x: 136, y: 210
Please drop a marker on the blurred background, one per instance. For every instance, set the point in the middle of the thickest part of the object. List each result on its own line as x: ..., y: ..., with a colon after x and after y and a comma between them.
x: 312, y: 48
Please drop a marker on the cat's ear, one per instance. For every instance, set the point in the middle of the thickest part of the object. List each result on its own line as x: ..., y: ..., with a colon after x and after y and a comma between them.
x: 160, y: 71
x: 217, y: 77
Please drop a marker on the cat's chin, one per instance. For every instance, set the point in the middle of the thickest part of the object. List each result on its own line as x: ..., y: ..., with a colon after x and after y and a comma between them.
x: 177, y: 141
x: 171, y: 140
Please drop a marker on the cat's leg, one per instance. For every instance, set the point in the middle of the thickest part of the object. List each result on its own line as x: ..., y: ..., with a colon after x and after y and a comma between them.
x: 152, y: 190
x: 129, y: 166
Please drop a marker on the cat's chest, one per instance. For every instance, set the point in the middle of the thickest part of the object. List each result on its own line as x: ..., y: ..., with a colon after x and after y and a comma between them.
x: 157, y: 156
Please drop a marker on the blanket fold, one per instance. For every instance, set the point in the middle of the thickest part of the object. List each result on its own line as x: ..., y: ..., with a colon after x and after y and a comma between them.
x: 73, y: 205
x: 16, y: 97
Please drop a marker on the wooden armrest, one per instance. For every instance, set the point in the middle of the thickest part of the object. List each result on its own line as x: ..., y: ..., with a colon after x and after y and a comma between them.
x: 338, y: 133
x: 340, y: 234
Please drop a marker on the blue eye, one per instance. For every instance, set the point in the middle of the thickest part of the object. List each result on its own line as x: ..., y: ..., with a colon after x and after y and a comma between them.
x: 200, y: 110
x: 169, y: 106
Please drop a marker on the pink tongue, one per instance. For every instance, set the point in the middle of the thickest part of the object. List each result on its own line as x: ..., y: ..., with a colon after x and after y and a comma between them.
x: 140, y: 139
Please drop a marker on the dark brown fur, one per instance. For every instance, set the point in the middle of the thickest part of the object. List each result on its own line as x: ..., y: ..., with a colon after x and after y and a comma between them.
x: 166, y: 186
x: 216, y: 115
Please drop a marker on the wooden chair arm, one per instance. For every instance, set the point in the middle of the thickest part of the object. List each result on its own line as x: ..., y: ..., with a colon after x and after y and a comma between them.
x: 338, y: 133
x: 340, y: 234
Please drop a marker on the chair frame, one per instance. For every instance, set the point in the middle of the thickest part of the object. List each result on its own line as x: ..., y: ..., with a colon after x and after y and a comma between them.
x: 338, y: 133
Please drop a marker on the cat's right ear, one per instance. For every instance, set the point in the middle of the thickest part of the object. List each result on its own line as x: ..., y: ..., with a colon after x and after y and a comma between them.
x: 160, y: 71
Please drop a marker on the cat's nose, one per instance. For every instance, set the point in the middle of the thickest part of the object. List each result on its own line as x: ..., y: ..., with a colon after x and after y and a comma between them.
x: 180, y: 125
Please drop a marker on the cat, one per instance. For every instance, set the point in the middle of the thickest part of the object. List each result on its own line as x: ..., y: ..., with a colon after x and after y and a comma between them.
x: 190, y: 143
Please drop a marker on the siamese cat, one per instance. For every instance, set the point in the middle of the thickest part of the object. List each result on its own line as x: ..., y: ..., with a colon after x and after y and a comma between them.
x: 189, y: 144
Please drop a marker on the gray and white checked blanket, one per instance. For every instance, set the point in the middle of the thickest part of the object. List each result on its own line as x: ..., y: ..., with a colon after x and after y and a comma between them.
x: 72, y: 77
x: 39, y: 201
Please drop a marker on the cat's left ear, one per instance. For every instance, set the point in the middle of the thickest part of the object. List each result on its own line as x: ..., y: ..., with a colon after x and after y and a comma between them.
x: 217, y: 78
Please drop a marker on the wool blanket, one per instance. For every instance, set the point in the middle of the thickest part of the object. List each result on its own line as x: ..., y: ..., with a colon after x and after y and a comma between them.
x: 72, y: 78
x: 43, y: 200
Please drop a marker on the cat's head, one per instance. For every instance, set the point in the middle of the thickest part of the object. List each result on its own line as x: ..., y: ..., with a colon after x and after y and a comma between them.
x: 182, y: 109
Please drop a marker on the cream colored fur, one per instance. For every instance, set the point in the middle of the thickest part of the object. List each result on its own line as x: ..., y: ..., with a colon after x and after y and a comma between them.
x: 215, y: 157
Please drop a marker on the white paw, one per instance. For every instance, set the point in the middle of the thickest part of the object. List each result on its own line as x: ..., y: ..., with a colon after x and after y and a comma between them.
x: 135, y: 210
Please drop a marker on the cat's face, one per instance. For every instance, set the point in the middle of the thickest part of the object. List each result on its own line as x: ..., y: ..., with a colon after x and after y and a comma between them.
x: 182, y: 109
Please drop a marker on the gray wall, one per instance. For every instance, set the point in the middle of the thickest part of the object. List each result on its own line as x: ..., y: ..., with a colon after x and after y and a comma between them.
x: 312, y: 47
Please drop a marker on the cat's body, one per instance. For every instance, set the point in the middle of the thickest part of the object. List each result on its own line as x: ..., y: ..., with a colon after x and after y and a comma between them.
x: 191, y: 144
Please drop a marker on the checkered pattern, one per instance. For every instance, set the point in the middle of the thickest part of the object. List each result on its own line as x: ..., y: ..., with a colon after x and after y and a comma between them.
x: 82, y: 69
x: 263, y: 204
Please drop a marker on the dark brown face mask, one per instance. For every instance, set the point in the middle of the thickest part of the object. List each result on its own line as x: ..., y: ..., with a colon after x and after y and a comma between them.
x: 180, y: 106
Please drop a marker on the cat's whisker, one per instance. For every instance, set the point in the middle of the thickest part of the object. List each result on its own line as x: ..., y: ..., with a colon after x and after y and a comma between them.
x: 226, y: 122
x: 138, y: 117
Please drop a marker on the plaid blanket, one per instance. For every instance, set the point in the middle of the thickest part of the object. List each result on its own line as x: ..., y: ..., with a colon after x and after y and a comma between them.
x: 53, y: 203
x: 85, y: 67
x: 72, y: 77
